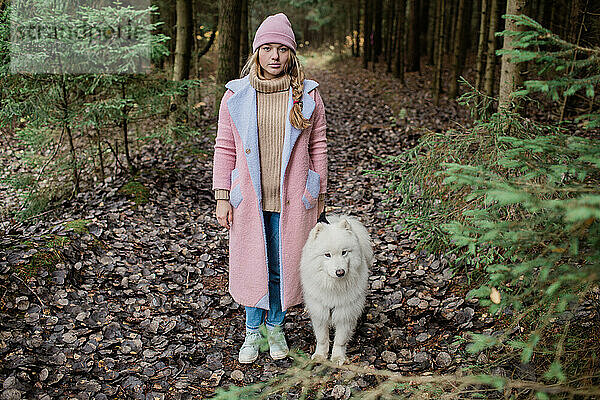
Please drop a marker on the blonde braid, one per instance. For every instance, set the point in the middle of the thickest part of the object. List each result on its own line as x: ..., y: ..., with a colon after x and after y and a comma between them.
x: 296, y: 73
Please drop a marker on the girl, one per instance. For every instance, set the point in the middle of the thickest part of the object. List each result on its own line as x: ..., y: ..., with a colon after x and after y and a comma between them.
x: 270, y: 179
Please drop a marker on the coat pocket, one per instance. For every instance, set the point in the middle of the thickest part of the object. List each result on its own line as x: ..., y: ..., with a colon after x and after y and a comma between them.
x: 311, y: 191
x: 235, y: 194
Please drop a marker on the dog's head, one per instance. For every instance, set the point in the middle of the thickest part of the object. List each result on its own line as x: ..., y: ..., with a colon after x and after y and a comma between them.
x: 336, y: 247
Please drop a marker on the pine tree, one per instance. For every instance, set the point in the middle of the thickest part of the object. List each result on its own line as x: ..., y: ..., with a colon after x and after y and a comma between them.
x: 82, y: 123
x: 521, y: 204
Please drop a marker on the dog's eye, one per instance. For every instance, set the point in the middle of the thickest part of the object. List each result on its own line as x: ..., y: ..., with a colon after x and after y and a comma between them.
x: 328, y: 255
x: 344, y: 252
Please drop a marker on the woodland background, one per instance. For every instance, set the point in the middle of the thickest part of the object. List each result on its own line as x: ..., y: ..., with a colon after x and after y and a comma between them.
x: 464, y: 133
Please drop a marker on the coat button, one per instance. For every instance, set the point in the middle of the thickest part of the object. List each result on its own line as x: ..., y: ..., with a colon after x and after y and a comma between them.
x: 247, y: 151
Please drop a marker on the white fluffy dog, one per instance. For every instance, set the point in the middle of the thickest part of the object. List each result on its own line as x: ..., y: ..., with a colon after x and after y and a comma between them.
x: 334, y: 271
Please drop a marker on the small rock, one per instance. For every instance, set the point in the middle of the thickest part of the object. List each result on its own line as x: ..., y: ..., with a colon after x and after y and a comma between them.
x: 421, y: 337
x: 105, y: 260
x: 69, y: 337
x: 11, y: 394
x: 237, y: 375
x: 389, y: 356
x: 32, y: 318
x: 82, y: 315
x: 22, y: 303
x: 9, y: 382
x: 341, y: 392
x: 58, y: 358
x: 43, y: 375
x: 482, y: 359
x: 214, y: 361
x: 413, y: 301
x: 443, y: 359
x: 377, y: 285
x: 421, y: 358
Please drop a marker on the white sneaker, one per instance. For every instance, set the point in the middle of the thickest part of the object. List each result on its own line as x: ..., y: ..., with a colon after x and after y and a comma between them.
x: 278, y: 347
x: 249, y: 350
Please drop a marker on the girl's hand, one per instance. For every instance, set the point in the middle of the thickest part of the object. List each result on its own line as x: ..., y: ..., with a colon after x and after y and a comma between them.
x: 224, y: 213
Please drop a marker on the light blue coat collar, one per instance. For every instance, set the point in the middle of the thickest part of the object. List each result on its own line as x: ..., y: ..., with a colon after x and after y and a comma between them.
x: 242, y: 108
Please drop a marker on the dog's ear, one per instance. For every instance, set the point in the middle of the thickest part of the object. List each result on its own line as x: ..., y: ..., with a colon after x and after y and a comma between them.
x: 346, y: 224
x: 318, y: 228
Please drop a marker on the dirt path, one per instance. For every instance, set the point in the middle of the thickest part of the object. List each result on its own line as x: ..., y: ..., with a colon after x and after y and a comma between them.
x: 138, y: 305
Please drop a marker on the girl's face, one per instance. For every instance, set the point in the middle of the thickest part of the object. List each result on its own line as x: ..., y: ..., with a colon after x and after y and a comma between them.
x: 273, y: 59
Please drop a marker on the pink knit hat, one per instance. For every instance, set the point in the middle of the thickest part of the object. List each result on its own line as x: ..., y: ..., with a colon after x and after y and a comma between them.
x: 275, y: 29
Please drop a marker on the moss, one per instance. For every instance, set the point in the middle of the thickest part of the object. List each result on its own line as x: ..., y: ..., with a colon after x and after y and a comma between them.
x: 56, y: 242
x: 42, y: 260
x: 137, y: 190
x: 78, y: 225
x: 48, y: 255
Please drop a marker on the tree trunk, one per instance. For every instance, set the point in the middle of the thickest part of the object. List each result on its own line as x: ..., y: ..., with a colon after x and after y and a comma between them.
x: 574, y: 37
x: 244, y: 44
x: 510, y: 76
x: 466, y: 37
x: 453, y: 9
x: 474, y: 28
x: 183, y: 45
x: 352, y: 31
x: 400, y: 31
x: 367, y: 34
x: 437, y: 80
x: 483, y: 32
x: 541, y: 11
x: 181, y: 66
x: 228, y: 67
x: 377, y: 32
x: 413, y: 38
x: 458, y: 45
x: 357, y: 30
x: 447, y: 26
x: 168, y: 15
x: 389, y: 29
x: 490, y: 63
x: 431, y: 31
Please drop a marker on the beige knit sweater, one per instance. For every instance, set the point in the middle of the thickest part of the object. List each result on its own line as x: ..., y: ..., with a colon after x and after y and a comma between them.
x: 271, y: 99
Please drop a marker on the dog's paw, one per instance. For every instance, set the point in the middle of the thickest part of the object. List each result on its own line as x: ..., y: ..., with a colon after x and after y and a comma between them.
x: 338, y: 359
x: 338, y: 356
x: 321, y: 351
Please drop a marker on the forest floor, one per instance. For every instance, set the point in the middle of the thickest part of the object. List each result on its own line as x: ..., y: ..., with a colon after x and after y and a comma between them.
x: 109, y: 298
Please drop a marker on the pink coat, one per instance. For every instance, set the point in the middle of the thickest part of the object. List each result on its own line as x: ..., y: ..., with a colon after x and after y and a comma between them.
x: 237, y: 168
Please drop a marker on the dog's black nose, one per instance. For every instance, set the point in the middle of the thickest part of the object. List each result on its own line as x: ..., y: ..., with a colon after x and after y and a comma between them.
x: 340, y: 272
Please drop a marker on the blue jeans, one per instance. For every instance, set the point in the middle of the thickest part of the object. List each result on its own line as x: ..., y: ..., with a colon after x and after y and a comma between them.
x: 255, y: 316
